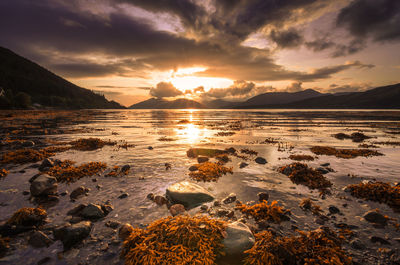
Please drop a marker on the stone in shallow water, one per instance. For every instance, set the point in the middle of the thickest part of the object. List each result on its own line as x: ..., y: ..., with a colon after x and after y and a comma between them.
x: 73, y: 234
x: 177, y: 209
x: 125, y: 231
x: 375, y: 217
x: 261, y: 160
x: 38, y: 240
x: 188, y: 194
x: 44, y: 185
x: 239, y: 239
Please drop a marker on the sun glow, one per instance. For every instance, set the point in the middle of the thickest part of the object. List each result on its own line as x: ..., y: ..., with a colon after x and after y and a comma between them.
x: 184, y: 79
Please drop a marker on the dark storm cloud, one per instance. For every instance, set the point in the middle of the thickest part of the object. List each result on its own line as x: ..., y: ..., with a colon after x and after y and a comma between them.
x: 378, y: 19
x: 286, y: 39
x: 320, y: 44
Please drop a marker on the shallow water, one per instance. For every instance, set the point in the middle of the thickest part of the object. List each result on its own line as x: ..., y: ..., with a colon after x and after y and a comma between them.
x: 296, y: 130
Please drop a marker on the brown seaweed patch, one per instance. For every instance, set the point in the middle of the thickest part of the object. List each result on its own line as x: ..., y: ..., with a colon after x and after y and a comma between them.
x: 90, y: 144
x: 66, y: 172
x: 248, y: 152
x: 4, y: 246
x: 308, y: 205
x: 225, y: 133
x: 176, y: 240
x: 23, y: 156
x: 355, y: 137
x: 321, y: 246
x: 343, y: 153
x: 118, y: 171
x: 377, y: 191
x: 264, y: 212
x: 388, y: 143
x: 301, y: 157
x: 195, y: 152
x: 209, y: 171
x: 166, y: 139
x: 3, y: 172
x: 302, y: 174
x: 28, y: 217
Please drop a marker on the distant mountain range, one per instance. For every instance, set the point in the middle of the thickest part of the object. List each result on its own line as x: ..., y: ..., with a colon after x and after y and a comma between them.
x: 23, y: 83
x: 386, y: 97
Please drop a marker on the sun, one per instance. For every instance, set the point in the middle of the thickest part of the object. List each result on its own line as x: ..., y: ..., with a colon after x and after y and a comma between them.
x: 184, y: 79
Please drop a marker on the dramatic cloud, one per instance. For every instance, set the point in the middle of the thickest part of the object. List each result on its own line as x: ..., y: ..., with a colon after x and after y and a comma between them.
x: 294, y: 87
x: 165, y: 90
x: 378, y: 19
x: 354, y: 87
x: 287, y: 39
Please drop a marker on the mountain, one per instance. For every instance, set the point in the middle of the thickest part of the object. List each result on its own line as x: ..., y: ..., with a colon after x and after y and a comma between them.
x: 157, y: 103
x: 219, y: 104
x: 23, y: 82
x: 279, y: 98
x: 386, y: 97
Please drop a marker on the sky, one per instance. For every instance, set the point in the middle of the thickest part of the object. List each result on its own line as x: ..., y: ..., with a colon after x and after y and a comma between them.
x: 132, y: 50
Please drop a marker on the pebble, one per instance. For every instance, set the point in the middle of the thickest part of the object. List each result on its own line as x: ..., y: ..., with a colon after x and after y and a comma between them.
x: 202, y: 159
x: 261, y: 160
x: 177, y: 209
x: 377, y: 239
x: 375, y: 217
x: 231, y: 198
x: 193, y: 168
x: 243, y: 165
x: 160, y: 200
x: 263, y: 196
x: 333, y: 209
x: 123, y: 195
x: 125, y: 230
x: 112, y: 224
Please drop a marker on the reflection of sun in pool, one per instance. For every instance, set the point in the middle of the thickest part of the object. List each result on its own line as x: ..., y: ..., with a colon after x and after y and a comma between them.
x: 190, y: 132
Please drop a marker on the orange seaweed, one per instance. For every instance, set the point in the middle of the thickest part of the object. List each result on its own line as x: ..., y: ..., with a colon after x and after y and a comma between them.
x: 343, y: 153
x: 28, y: 217
x: 264, y: 212
x: 90, y: 144
x: 209, y: 171
x: 66, y: 172
x: 23, y: 156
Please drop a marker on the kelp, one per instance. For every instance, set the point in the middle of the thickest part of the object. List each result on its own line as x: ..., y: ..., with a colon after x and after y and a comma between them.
x: 209, y: 171
x: 302, y: 174
x: 118, y: 171
x: 195, y: 152
x: 166, y: 139
x: 4, y: 246
x: 308, y: 205
x: 23, y: 156
x: 355, y: 137
x: 176, y: 240
x: 248, y: 152
x: 67, y: 172
x: 321, y: 246
x: 377, y: 191
x: 301, y: 157
x: 343, y: 153
x: 3, y: 172
x: 225, y: 133
x: 90, y: 144
x: 264, y: 212
x: 28, y: 217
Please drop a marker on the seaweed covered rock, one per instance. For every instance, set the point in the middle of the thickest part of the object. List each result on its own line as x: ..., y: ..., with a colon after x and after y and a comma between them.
x: 321, y: 246
x: 209, y: 171
x: 28, y: 217
x: 265, y: 212
x: 343, y: 153
x: 377, y: 191
x: 3, y: 173
x: 188, y: 194
x: 176, y: 240
x: 302, y: 174
x: 238, y: 239
x: 71, y: 235
x: 44, y: 185
x: 90, y: 144
x: 301, y: 157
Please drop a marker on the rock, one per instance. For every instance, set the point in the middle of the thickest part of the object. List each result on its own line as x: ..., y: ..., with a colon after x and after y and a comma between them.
x: 125, y: 231
x: 333, y: 209
x: 44, y: 185
x: 150, y: 148
x: 325, y: 164
x: 347, y: 189
x: 113, y: 224
x: 28, y: 144
x: 202, y: 159
x: 76, y: 210
x: 75, y: 219
x: 322, y: 170
x: 376, y: 217
x: 188, y: 194
x: 238, y: 239
x: 217, y: 203
x: 260, y: 160
x: 39, y: 240
x: 377, y: 239
x: 160, y: 200
x: 125, y: 168
x: 231, y: 198
x: 92, y: 211
x: 263, y: 196
x: 193, y: 168
x: 150, y: 196
x: 107, y: 208
x: 123, y: 195
x: 47, y: 163
x: 44, y: 261
x: 70, y: 235
x: 204, y: 207
x: 243, y: 164
x: 78, y: 192
x: 222, y: 212
x: 167, y: 166
x: 357, y: 244
x: 25, y: 192
x: 177, y: 209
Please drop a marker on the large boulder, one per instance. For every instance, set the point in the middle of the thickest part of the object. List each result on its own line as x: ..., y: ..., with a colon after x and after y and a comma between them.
x: 188, y: 194
x: 71, y: 235
x: 375, y: 217
x: 44, y: 185
x: 239, y: 239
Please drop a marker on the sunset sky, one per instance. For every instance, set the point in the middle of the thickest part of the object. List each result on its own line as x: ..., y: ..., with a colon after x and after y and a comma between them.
x: 131, y: 50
